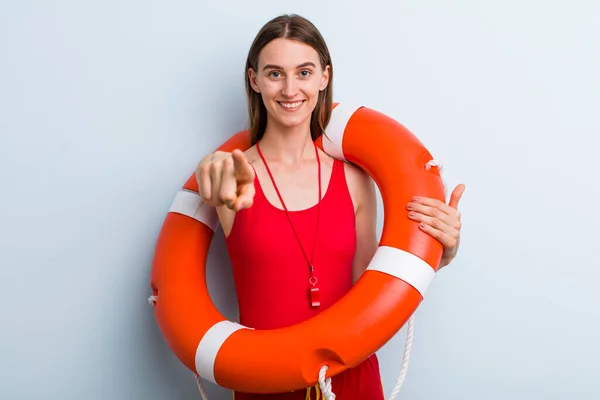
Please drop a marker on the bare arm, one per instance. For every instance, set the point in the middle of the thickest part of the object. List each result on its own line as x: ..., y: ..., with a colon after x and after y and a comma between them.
x: 362, y: 190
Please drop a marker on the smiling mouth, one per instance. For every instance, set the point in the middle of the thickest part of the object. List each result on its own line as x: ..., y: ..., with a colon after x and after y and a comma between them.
x: 290, y: 106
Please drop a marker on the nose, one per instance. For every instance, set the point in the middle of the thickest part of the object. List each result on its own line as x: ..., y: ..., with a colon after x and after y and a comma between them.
x: 290, y: 88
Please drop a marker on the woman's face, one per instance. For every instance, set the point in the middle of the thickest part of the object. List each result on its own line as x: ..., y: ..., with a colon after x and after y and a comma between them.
x: 289, y: 78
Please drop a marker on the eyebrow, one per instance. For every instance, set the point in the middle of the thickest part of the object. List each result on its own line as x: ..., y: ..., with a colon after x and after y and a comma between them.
x: 306, y: 64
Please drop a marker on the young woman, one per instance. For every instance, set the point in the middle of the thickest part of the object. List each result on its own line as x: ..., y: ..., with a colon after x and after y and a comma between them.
x: 284, y: 205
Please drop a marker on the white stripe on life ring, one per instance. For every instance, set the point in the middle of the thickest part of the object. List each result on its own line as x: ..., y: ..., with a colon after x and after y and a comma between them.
x: 334, y: 137
x: 190, y: 204
x: 209, y: 346
x: 403, y: 265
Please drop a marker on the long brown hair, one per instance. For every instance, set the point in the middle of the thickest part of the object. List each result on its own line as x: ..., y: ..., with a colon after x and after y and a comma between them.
x: 295, y: 27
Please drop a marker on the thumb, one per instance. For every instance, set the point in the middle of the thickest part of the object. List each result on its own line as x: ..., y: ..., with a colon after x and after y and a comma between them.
x: 244, y: 173
x: 456, y: 195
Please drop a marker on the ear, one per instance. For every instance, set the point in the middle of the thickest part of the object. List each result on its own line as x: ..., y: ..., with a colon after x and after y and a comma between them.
x: 325, y: 79
x: 253, y: 80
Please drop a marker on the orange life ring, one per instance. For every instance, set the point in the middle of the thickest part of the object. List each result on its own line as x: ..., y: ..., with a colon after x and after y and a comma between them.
x: 390, y: 290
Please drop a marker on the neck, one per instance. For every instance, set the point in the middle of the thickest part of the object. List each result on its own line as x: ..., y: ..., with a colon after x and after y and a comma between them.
x: 288, y: 146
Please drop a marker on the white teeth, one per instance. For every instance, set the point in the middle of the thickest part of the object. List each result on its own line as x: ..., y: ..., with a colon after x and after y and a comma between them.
x: 291, y: 105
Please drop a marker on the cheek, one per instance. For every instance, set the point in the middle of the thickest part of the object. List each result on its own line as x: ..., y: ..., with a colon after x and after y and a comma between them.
x: 269, y: 88
x: 312, y: 88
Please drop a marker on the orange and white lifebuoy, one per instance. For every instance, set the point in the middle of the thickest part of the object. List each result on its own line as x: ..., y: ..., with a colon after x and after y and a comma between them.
x: 378, y: 305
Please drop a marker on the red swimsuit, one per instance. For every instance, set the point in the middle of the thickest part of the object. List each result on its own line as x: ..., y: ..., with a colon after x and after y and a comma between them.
x: 271, y: 274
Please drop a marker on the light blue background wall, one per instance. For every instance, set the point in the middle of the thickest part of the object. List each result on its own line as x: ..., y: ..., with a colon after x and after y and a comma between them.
x: 106, y: 107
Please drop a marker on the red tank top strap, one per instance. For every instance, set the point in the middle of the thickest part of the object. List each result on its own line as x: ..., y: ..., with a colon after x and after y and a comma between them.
x: 338, y: 185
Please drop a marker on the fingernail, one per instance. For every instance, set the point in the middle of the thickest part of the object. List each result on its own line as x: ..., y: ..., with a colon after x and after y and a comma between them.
x: 411, y: 214
x: 409, y: 206
x: 422, y: 225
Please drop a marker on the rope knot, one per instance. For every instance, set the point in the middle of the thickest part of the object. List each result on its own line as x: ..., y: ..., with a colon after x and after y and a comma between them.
x: 434, y: 163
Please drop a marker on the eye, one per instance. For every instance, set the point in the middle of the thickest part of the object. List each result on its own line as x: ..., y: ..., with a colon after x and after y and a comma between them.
x: 305, y: 73
x: 274, y: 74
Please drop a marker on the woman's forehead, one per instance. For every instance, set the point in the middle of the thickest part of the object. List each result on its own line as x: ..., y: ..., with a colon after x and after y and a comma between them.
x: 287, y: 53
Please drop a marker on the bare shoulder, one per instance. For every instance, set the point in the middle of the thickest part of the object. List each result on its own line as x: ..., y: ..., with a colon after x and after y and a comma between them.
x: 252, y: 155
x: 360, y: 185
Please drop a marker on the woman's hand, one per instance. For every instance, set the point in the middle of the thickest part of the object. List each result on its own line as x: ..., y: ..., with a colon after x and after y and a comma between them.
x: 226, y: 179
x: 440, y: 220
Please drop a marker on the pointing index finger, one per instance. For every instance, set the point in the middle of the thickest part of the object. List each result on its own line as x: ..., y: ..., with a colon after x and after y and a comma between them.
x: 244, y: 173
